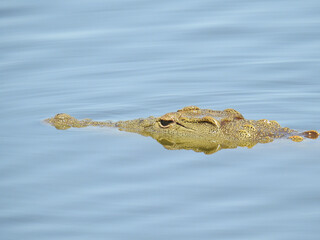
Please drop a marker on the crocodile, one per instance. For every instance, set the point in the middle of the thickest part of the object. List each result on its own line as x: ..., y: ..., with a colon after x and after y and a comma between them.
x: 201, y: 130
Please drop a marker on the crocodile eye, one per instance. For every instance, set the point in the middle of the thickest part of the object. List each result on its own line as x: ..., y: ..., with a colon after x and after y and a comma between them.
x: 166, y: 123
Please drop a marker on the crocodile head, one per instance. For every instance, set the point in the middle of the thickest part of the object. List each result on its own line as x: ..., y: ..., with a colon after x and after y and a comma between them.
x: 202, y: 130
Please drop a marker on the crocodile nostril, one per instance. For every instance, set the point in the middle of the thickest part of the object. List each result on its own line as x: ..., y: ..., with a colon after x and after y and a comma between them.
x: 165, y: 123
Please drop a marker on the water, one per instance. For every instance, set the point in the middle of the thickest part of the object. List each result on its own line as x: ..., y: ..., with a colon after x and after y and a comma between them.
x: 122, y: 60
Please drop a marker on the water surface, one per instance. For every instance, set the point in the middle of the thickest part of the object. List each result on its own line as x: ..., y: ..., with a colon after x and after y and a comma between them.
x: 122, y: 60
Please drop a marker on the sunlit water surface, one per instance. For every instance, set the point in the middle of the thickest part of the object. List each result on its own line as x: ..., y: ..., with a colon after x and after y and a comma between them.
x: 122, y: 60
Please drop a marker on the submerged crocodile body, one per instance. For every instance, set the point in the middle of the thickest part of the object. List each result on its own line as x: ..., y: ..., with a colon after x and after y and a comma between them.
x: 202, y: 130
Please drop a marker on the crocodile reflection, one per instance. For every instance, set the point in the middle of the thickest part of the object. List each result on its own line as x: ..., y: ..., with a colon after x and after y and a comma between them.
x: 200, y: 130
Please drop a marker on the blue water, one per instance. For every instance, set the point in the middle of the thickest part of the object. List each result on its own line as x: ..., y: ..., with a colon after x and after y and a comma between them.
x: 122, y: 60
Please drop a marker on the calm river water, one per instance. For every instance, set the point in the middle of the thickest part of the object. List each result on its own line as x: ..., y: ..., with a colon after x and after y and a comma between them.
x: 122, y: 60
